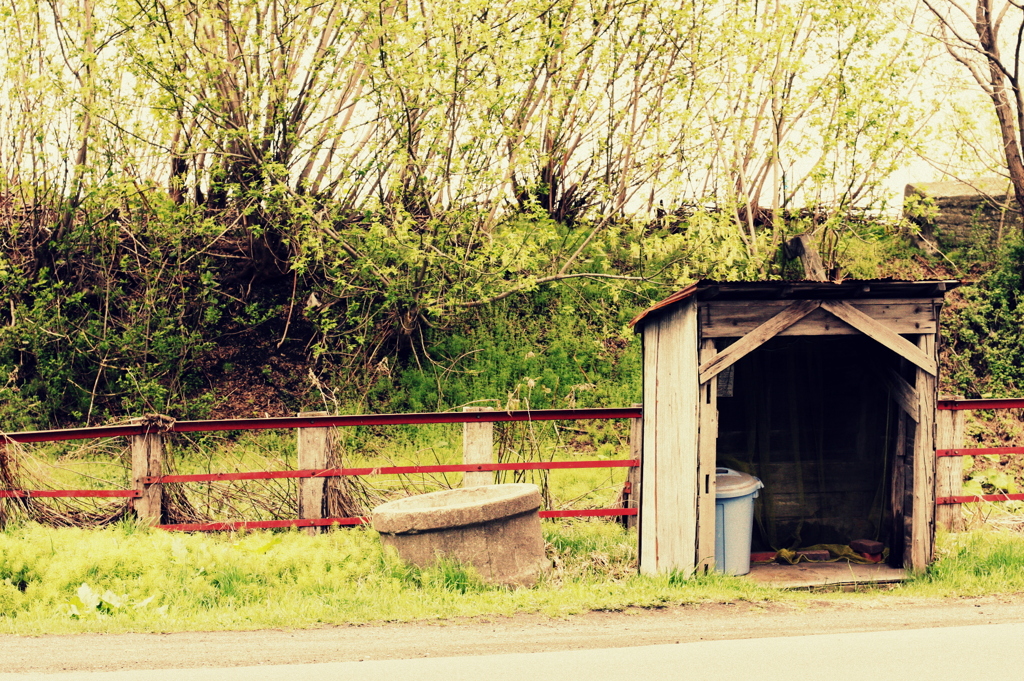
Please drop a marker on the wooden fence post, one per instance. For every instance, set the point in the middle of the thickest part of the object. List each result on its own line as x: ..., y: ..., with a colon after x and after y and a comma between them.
x: 631, y: 490
x: 949, y: 474
x: 147, y: 461
x: 311, y: 448
x: 477, y: 447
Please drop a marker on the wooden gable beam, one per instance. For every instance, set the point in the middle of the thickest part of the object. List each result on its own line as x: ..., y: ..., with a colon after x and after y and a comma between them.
x: 904, y: 394
x: 758, y: 337
x: 881, y: 333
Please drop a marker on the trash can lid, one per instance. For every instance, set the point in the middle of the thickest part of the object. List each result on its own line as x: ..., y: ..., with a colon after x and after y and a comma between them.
x: 735, y: 483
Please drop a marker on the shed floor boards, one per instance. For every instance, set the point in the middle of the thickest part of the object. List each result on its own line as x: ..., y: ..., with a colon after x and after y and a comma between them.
x: 809, y: 575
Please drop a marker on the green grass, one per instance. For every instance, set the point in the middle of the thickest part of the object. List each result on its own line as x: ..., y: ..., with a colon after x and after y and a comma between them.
x: 144, y: 580
x: 128, y: 578
x: 974, y: 563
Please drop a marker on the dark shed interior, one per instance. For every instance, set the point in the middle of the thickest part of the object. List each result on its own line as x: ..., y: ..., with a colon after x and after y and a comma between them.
x: 811, y: 416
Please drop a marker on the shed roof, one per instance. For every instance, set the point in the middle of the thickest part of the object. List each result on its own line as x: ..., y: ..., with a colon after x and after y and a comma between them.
x: 801, y: 290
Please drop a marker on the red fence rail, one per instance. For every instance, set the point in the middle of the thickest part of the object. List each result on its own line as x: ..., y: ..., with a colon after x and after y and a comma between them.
x: 27, y: 493
x: 963, y: 405
x: 157, y: 425
x: 385, y: 470
x: 979, y: 451
x: 324, y: 422
x: 361, y: 520
x: 396, y: 470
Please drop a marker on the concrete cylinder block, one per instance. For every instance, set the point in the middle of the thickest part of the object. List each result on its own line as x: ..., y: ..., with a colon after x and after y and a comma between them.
x: 494, y: 528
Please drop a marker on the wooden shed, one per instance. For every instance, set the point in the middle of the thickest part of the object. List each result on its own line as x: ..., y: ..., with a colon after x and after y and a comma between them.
x: 826, y: 391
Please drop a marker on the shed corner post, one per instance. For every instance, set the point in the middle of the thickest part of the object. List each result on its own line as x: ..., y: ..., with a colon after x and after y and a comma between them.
x: 949, y: 476
x: 668, y: 513
x: 647, y: 519
x: 707, y: 452
x: 311, y: 454
x: 147, y: 462
x: 922, y: 540
x: 477, y: 448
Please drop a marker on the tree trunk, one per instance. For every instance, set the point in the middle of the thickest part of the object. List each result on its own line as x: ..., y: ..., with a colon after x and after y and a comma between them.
x: 988, y: 41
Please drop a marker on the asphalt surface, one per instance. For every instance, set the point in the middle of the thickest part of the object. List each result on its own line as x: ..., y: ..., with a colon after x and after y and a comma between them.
x: 936, y: 654
x: 191, y: 654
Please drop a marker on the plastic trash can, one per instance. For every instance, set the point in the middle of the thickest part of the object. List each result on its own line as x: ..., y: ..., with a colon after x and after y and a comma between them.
x: 734, y: 520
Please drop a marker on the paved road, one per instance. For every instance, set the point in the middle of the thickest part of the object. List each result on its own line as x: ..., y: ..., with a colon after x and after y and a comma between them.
x: 496, y: 635
x: 967, y: 653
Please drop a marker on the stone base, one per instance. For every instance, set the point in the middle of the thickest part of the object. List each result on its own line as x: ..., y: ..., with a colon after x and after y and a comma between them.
x: 494, y: 528
x: 507, y: 551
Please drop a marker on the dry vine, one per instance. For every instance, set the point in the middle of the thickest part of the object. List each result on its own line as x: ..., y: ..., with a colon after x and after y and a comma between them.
x: 57, y: 512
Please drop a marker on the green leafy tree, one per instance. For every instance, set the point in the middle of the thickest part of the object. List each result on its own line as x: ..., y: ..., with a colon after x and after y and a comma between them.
x: 349, y: 181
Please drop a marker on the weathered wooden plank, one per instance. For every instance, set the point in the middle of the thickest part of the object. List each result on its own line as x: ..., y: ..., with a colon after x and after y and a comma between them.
x: 668, y: 521
x: 706, y: 463
x: 882, y: 334
x: 756, y: 338
x: 814, y: 506
x: 811, y: 475
x: 923, y: 524
x: 477, y: 447
x: 681, y: 476
x: 147, y: 461
x: 311, y: 449
x: 897, y: 491
x: 647, y: 539
x: 949, y: 472
x: 841, y: 444
x: 735, y: 318
x: 666, y: 439
x: 908, y: 496
x: 904, y: 393
x: 801, y: 247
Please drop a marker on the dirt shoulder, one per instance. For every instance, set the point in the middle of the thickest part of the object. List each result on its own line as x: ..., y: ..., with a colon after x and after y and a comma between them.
x: 479, y: 636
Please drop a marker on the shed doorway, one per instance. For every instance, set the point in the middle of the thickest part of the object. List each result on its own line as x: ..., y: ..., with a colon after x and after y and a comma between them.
x: 812, y: 417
